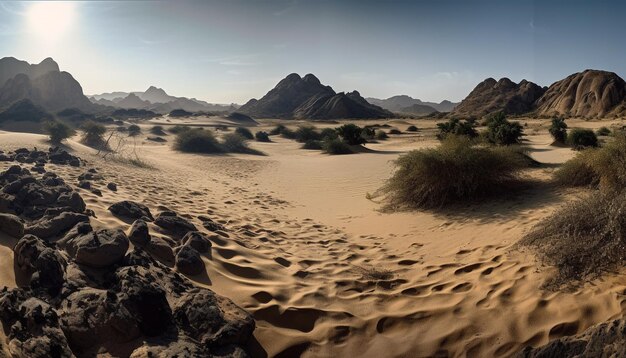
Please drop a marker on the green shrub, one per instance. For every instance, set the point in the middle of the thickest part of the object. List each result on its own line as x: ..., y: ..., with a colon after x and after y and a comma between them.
x: 368, y: 133
x: 502, y: 132
x: 381, y: 135
x: 395, y: 131
x: 179, y: 129
x: 262, y: 136
x: 351, y: 134
x: 278, y: 129
x: 458, y: 128
x: 312, y: 144
x: 558, y: 130
x: 134, y: 130
x: 336, y: 146
x: 328, y: 133
x: 235, y: 143
x: 288, y: 133
x: 455, y: 171
x: 244, y: 132
x: 58, y: 131
x: 157, y: 130
x: 306, y: 133
x: 93, y: 134
x: 603, y: 132
x: 197, y: 141
x: 411, y: 129
x: 582, y: 138
x: 578, y: 171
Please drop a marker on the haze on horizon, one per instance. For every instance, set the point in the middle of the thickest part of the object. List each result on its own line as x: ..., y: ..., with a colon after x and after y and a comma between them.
x: 225, y: 52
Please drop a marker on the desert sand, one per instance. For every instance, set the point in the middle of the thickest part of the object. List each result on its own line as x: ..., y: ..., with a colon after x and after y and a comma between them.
x: 326, y: 273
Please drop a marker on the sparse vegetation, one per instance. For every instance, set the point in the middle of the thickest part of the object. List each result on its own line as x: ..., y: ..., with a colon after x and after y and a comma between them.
x: 603, y: 132
x: 455, y: 171
x: 500, y: 131
x: 306, y: 133
x: 328, y: 133
x: 558, y: 130
x: 394, y: 131
x: 278, y: 129
x: 262, y: 137
x: 244, y: 132
x: 457, y: 127
x: 178, y: 129
x: 351, y: 134
x: 368, y: 133
x: 93, y: 135
x: 58, y: 131
x: 312, y: 144
x: 381, y: 135
x: 157, y: 130
x: 412, y: 129
x: 235, y: 143
x: 134, y: 130
x: 336, y: 146
x: 582, y: 138
x: 197, y: 141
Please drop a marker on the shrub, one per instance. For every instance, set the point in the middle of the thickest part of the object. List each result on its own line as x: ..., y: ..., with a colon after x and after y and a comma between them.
x: 312, y: 144
x: 157, y: 130
x: 336, y: 146
x: 583, y: 239
x: 381, y: 135
x: 234, y: 142
x: 278, y: 129
x: 288, y: 133
x: 411, y: 129
x: 93, y: 134
x: 306, y: 133
x: 262, y: 136
x: 328, y: 133
x: 244, y: 132
x: 134, y: 130
x: 58, y: 131
x: 578, y: 171
x: 368, y: 133
x: 558, y: 130
x: 351, y: 134
x: 582, y: 138
x: 458, y: 128
x: 395, y: 131
x: 197, y: 141
x: 455, y: 171
x: 603, y: 132
x: 502, y: 132
x: 179, y: 129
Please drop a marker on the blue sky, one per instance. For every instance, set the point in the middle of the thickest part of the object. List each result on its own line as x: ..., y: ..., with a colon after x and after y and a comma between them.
x: 231, y: 51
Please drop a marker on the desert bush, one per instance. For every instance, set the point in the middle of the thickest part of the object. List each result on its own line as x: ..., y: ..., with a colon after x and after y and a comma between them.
x: 394, y: 131
x: 235, y: 143
x: 381, y: 135
x: 134, y: 130
x: 312, y: 144
x: 368, y: 133
x: 603, y: 132
x: 262, y: 136
x: 328, y: 133
x: 411, y: 129
x: 582, y: 138
x: 197, y: 141
x: 93, y: 134
x: 455, y: 171
x: 306, y: 133
x: 157, y: 130
x: 583, y: 239
x: 500, y: 131
x: 336, y: 146
x: 278, y: 129
x: 288, y: 133
x: 58, y: 131
x: 244, y: 132
x: 578, y: 171
x: 351, y: 134
x: 178, y: 129
x: 458, y: 128
x: 558, y: 130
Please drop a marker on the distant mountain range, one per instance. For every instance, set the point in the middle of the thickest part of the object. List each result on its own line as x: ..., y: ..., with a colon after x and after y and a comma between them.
x: 407, y: 104
x: 591, y: 93
x: 157, y: 100
x: 306, y: 97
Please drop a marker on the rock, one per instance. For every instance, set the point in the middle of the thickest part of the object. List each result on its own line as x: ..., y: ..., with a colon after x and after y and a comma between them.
x: 198, y: 241
x: 188, y: 261
x: 161, y: 249
x: 49, y: 272
x: 175, y: 224
x: 131, y: 209
x: 157, y: 139
x: 96, y: 191
x: 112, y: 186
x: 139, y: 233
x: 26, y: 252
x: 84, y: 184
x: 209, y: 224
x: 99, y: 249
x: 11, y: 225
x: 48, y: 227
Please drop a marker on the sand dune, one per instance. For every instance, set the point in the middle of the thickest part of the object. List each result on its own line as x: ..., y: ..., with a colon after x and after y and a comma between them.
x: 325, y: 274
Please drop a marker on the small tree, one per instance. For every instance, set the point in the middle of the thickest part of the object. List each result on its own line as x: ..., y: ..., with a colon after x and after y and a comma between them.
x: 558, y: 129
x: 502, y: 132
x: 351, y: 134
x: 58, y: 131
x: 93, y: 134
x: 582, y: 138
x: 457, y: 127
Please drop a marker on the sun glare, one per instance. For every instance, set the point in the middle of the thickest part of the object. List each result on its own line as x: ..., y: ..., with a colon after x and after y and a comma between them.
x: 50, y: 20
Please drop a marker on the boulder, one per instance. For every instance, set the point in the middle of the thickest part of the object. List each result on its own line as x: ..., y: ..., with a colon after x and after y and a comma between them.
x: 100, y: 248
x: 198, y: 241
x: 11, y: 225
x: 48, y: 227
x: 188, y: 261
x: 161, y: 249
x: 139, y: 233
x: 132, y: 210
x: 174, y: 224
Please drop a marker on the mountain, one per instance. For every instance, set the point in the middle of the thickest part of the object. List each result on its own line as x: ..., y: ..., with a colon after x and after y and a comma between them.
x: 400, y: 102
x: 503, y: 95
x: 157, y: 100
x: 43, y: 84
x: 307, y: 98
x: 24, y: 110
x: 419, y: 109
x: 590, y: 93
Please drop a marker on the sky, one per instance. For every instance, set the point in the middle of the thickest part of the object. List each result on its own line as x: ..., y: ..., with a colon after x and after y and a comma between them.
x: 231, y: 51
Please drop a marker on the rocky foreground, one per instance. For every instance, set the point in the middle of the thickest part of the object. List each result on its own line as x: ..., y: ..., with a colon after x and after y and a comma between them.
x: 85, y: 291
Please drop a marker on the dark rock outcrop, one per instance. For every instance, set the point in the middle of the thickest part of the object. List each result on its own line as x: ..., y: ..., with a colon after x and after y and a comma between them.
x: 132, y: 210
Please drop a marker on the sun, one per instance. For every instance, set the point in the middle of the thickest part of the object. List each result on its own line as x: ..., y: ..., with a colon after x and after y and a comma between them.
x: 50, y: 20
